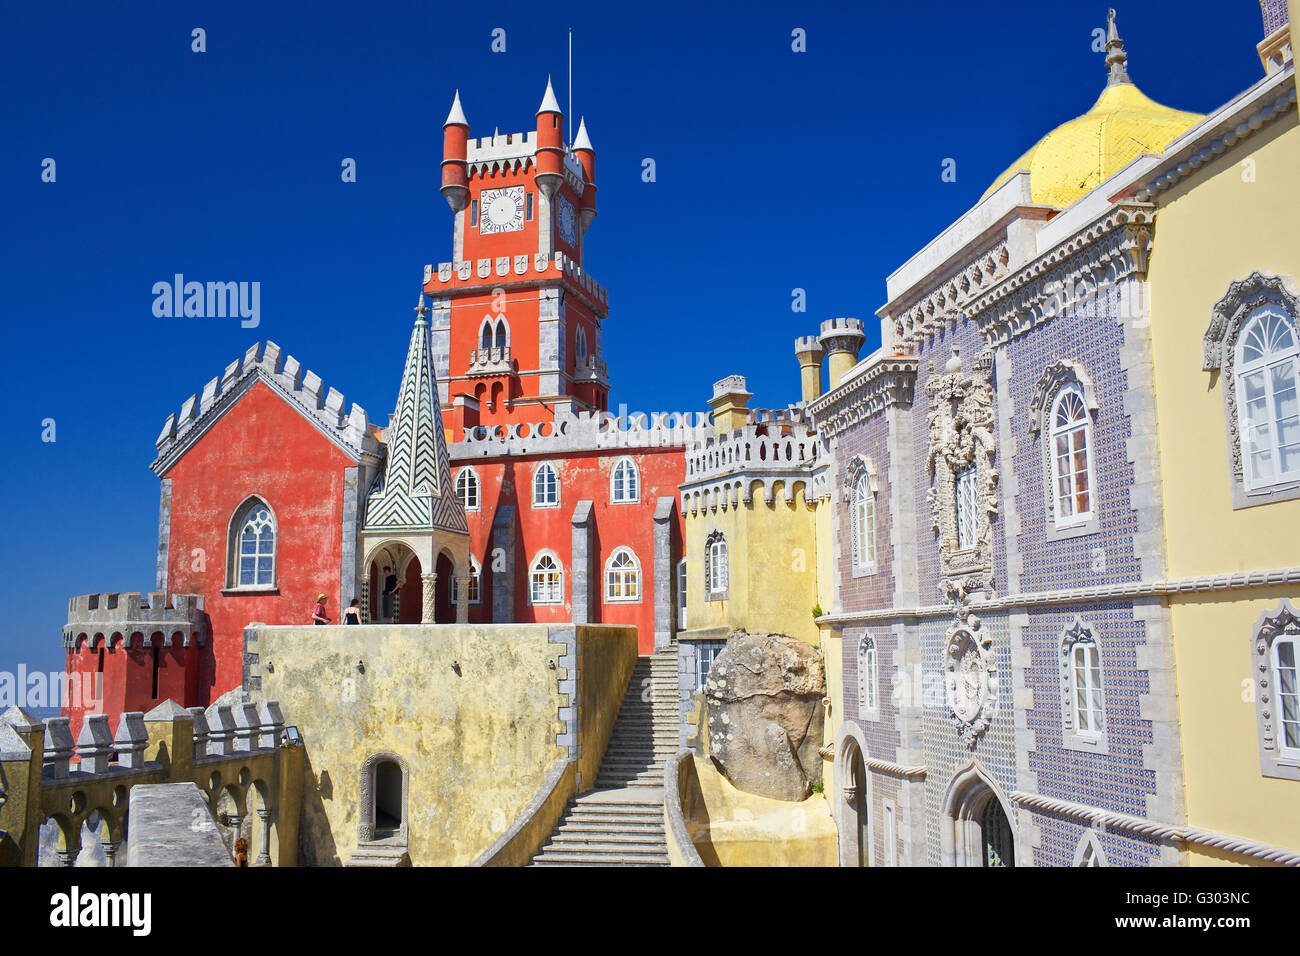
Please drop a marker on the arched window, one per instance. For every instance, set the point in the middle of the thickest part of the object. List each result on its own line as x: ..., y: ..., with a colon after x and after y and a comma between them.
x: 868, y: 679
x: 716, y: 574
x: 485, y: 335
x: 1071, y: 455
x: 624, y: 483
x: 1267, y: 368
x: 580, y: 343
x: 467, y: 488
x: 622, y: 577
x: 546, y: 580
x: 1083, y: 697
x: 252, y: 546
x: 546, y: 487
x: 502, y: 334
x: 864, y: 525
x: 1286, y: 678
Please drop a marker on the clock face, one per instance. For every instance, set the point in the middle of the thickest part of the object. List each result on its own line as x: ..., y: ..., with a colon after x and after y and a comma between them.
x: 503, y: 210
x: 564, y: 213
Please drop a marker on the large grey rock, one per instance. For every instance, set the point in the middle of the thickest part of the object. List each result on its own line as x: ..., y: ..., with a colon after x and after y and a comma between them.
x: 764, y: 703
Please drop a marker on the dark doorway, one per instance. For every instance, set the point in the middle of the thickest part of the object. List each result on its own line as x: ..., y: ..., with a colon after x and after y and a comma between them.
x: 388, y: 799
x: 444, y: 612
x: 411, y: 605
x: 999, y: 849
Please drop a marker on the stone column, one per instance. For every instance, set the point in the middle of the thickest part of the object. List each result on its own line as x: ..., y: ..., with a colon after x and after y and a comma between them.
x: 580, y: 571
x: 462, y: 599
x: 264, y: 822
x: 429, y: 613
x: 503, y: 571
x: 665, y: 509
x: 110, y: 851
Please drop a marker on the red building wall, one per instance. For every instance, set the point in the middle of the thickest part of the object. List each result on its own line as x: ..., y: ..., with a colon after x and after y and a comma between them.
x: 263, y: 446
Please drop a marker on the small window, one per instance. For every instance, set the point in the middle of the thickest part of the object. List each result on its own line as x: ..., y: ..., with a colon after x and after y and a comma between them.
x: 967, y: 508
x: 1087, y: 693
x: 624, y: 483
x: 473, y: 212
x: 1083, y: 695
x: 1268, y: 366
x: 716, y: 582
x: 868, y: 679
x: 528, y: 210
x: 1071, y: 454
x: 864, y: 525
x: 623, y: 577
x: 546, y: 580
x: 467, y: 489
x: 546, y: 487
x: 580, y: 343
x: 706, y: 653
x: 681, y: 594
x: 1287, y: 680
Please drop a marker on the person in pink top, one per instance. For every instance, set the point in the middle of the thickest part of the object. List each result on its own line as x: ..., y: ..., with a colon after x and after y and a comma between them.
x: 318, y: 612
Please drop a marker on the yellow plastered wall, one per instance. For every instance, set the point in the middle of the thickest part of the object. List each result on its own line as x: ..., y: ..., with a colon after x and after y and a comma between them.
x: 772, y: 573
x: 1212, y: 229
x: 1215, y: 227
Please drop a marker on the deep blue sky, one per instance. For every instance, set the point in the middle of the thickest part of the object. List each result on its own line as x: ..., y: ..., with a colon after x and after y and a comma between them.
x: 776, y: 170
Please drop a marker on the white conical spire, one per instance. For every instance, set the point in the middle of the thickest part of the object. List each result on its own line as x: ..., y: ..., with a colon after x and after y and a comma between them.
x: 549, y: 103
x: 457, y: 115
x: 581, y: 141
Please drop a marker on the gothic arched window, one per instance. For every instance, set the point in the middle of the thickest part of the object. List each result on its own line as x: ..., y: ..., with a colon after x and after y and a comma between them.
x: 624, y: 486
x: 580, y: 343
x: 1083, y: 695
x: 467, y: 489
x: 864, y: 525
x: 868, y: 679
x: 546, y: 487
x: 715, y: 567
x: 252, y: 546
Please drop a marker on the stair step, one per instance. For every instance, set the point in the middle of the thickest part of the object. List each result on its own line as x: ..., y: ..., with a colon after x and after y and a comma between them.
x: 651, y: 822
x: 638, y: 842
x: 621, y: 850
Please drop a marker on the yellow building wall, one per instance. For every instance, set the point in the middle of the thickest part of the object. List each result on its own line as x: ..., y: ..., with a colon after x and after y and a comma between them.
x: 772, y: 573
x: 1216, y: 227
x: 1212, y: 229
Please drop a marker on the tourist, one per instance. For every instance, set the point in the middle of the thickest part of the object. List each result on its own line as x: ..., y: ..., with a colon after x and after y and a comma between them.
x: 391, y: 588
x: 318, y: 612
x: 352, y: 613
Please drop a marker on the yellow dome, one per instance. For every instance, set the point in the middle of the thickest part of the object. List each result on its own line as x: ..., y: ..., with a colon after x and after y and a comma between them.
x: 1078, y: 155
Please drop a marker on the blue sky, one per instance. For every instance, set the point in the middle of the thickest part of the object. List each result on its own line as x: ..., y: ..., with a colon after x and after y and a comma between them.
x: 775, y: 170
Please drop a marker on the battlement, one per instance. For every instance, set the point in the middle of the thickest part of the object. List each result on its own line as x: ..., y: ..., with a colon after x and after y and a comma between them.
x: 776, y: 451
x: 838, y: 328
x: 95, y: 617
x: 809, y: 345
x: 540, y: 265
x: 584, y: 431
x: 286, y: 375
x: 511, y: 152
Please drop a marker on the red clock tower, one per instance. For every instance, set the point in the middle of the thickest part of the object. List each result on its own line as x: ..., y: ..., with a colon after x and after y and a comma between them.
x: 516, y: 321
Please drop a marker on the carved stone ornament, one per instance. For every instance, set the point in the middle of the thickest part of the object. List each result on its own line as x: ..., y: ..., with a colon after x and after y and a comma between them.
x: 1283, y: 622
x: 961, y: 435
x: 856, y: 468
x: 970, y: 678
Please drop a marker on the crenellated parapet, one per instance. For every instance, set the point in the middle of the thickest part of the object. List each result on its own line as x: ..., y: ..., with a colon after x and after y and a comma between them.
x: 303, y: 388
x: 776, y: 451
x: 513, y: 271
x: 133, y: 618
x: 583, y: 431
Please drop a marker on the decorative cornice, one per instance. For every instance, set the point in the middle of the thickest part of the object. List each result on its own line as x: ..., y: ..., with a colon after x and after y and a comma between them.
x: 1112, y: 820
x: 895, y: 769
x: 1109, y: 249
x: 1088, y: 595
x: 888, y: 380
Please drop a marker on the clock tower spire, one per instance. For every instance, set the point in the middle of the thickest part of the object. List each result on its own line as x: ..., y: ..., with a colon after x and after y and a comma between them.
x: 516, y: 321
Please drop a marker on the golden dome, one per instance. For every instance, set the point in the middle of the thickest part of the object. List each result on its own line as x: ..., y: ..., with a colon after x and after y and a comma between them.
x: 1078, y: 155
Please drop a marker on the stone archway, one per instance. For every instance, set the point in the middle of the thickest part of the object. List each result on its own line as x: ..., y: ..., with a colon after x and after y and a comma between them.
x: 385, y: 789
x: 852, y: 796
x: 396, y: 560
x: 976, y: 829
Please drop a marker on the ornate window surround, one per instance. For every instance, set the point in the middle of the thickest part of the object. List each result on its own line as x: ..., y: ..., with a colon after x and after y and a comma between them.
x: 1243, y: 299
x: 721, y: 594
x: 1285, y: 621
x: 857, y: 468
x: 868, y: 678
x: 1080, y: 632
x: 962, y: 434
x: 233, y: 535
x: 1056, y: 378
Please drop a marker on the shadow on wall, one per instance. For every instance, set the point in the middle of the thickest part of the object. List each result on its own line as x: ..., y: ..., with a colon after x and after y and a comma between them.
x: 315, y: 841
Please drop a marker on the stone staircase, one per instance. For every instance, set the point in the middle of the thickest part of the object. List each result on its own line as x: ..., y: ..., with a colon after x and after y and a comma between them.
x: 379, y: 853
x: 621, y: 822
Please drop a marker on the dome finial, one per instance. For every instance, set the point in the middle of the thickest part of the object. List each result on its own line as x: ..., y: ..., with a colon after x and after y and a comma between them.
x: 1116, y: 58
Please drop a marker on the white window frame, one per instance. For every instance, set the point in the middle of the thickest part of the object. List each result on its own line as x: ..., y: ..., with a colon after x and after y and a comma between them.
x: 868, y: 679
x: 1287, y: 717
x: 966, y: 502
x: 615, y: 497
x: 1081, y: 641
x: 717, y: 558
x: 1266, y: 364
x: 553, y: 593
x: 468, y: 477
x: 235, y: 550
x: 705, y: 651
x: 864, y: 506
x: 1085, y: 660
x: 634, y: 571
x: 1057, y: 431
x: 542, y: 469
x: 682, y: 581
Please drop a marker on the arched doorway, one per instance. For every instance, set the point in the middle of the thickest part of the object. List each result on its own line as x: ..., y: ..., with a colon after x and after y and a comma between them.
x: 396, y: 563
x: 444, y: 612
x: 852, y: 816
x: 977, y: 830
x: 385, y: 785
x: 412, y: 594
x: 388, y: 799
x: 855, y: 796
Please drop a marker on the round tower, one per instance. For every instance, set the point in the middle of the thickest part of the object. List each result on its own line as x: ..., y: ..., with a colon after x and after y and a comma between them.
x: 586, y: 155
x: 550, y: 144
x: 842, y: 339
x: 455, y: 147
x: 808, y: 350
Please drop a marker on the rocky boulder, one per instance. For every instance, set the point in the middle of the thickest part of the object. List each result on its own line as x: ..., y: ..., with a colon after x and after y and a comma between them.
x: 764, y: 705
